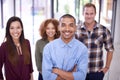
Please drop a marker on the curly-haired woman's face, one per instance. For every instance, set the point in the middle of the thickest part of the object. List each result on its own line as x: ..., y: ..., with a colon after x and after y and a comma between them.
x: 50, y: 30
x: 15, y: 30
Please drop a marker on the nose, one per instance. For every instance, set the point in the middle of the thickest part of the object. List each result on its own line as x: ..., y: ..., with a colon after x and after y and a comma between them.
x: 67, y: 27
x: 15, y: 31
x: 89, y: 15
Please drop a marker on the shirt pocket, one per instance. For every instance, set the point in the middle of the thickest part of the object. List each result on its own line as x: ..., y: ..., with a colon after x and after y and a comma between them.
x: 99, y: 40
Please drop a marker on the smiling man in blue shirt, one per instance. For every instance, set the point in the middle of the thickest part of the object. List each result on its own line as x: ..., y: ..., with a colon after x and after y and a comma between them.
x: 65, y: 58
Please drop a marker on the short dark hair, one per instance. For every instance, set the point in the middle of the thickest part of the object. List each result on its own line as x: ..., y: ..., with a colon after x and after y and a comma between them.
x: 67, y: 16
x: 89, y: 5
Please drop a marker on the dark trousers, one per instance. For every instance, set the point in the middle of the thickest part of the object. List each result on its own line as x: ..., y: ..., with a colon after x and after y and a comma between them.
x: 40, y: 77
x: 95, y: 76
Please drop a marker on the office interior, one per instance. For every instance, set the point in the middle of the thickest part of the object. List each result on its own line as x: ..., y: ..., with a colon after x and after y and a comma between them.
x: 33, y: 12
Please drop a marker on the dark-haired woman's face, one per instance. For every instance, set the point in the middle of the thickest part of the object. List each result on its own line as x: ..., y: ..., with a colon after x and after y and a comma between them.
x: 15, y: 30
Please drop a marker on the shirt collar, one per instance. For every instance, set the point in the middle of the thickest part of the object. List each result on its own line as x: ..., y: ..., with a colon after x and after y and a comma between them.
x: 63, y: 44
x: 96, y: 25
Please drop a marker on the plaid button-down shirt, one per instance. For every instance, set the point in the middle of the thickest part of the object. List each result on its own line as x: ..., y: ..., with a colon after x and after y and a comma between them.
x: 94, y: 41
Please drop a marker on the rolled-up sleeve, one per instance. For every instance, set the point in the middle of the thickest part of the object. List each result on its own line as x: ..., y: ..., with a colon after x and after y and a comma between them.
x: 108, y: 40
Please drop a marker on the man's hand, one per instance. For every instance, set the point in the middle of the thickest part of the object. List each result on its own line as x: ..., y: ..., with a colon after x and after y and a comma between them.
x: 55, y: 70
x: 105, y: 69
x: 59, y: 78
x: 64, y: 75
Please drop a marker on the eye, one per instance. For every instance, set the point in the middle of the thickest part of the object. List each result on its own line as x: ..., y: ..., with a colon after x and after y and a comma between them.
x: 72, y: 25
x: 86, y: 13
x: 62, y: 25
x: 11, y: 27
x: 91, y: 14
x: 18, y: 27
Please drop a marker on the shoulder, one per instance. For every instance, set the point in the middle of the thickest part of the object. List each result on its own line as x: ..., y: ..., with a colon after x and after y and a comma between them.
x: 82, y: 48
x: 103, y: 27
x: 53, y: 43
x: 105, y: 30
x: 4, y: 44
x: 80, y: 44
x: 3, y: 47
x: 41, y: 42
x: 27, y: 41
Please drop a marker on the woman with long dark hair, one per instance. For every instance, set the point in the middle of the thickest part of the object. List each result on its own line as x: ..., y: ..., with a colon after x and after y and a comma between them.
x: 15, y: 52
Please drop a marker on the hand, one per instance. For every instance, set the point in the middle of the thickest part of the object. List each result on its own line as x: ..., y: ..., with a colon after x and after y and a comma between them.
x: 59, y: 78
x: 40, y: 72
x: 55, y: 70
x: 31, y: 77
x: 105, y: 69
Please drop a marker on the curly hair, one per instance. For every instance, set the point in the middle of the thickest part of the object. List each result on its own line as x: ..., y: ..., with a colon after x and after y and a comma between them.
x: 43, y: 26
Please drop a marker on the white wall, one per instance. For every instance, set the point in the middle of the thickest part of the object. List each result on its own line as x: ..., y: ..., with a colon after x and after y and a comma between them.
x: 114, y: 72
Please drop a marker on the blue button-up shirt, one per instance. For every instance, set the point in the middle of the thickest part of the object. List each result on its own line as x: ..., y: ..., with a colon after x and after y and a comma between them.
x: 65, y: 57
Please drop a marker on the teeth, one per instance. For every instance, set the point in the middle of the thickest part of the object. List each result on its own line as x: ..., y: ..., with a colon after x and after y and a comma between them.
x: 16, y: 35
x: 50, y: 33
x: 67, y: 33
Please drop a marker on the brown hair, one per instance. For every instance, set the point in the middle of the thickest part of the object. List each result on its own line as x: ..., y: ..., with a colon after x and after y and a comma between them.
x: 13, y: 56
x: 89, y: 5
x: 43, y: 26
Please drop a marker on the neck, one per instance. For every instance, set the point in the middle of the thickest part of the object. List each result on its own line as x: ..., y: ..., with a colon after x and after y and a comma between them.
x: 90, y: 26
x: 50, y: 39
x: 66, y: 40
x: 16, y: 42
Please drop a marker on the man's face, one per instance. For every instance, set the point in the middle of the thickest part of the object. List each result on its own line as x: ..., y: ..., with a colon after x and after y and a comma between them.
x: 89, y: 14
x: 67, y: 29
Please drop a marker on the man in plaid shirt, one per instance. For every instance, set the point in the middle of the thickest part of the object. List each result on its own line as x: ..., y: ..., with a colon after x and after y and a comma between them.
x: 94, y: 36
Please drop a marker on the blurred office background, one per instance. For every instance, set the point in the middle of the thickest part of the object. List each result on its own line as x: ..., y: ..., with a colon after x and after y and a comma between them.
x: 33, y: 12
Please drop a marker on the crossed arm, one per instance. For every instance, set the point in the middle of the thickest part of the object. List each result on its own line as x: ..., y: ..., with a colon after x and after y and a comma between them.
x: 64, y: 75
x: 49, y: 64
